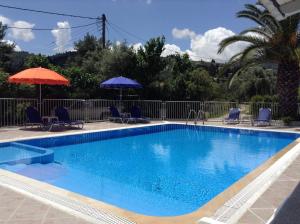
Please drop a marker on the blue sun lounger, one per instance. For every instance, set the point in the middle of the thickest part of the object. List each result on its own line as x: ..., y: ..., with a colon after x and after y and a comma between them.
x: 233, y: 116
x: 136, y: 115
x: 264, y: 117
x: 115, y: 116
x: 34, y: 119
x: 63, y: 117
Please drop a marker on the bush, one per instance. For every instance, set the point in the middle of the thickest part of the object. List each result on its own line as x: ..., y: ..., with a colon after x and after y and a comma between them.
x: 264, y: 99
x: 287, y: 120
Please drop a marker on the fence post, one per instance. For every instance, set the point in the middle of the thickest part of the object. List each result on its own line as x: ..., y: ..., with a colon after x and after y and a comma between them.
x: 163, y: 111
x: 85, y: 110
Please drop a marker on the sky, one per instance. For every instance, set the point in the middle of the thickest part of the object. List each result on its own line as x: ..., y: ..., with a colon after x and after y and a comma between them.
x: 190, y: 26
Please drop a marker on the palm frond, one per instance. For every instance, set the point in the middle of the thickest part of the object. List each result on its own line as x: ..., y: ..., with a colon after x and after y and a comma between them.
x: 240, y: 38
x: 258, y: 31
x: 252, y: 16
x: 253, y: 8
x: 270, y: 20
x: 252, y: 49
x: 245, y: 66
x: 236, y: 57
x: 261, y: 17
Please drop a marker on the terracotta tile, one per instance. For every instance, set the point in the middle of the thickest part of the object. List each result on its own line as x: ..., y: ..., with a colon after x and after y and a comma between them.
x: 5, y: 213
x: 61, y: 221
x: 264, y: 213
x: 2, y: 190
x: 33, y: 212
x: 274, y: 200
x: 283, y: 187
x: 262, y: 203
x: 293, y: 171
x: 81, y: 221
x: 29, y: 202
x: 297, y: 160
x: 250, y: 218
x: 25, y: 221
x: 54, y: 213
x: 284, y: 177
x: 8, y: 194
x: 11, y: 202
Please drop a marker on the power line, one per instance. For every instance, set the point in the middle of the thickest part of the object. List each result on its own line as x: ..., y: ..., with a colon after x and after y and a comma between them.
x: 75, y: 36
x: 49, y: 29
x: 47, y: 12
x: 117, y: 32
x: 125, y: 31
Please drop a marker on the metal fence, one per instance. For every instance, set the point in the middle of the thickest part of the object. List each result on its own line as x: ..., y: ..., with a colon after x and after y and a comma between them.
x: 179, y: 110
x: 12, y: 110
x: 76, y: 107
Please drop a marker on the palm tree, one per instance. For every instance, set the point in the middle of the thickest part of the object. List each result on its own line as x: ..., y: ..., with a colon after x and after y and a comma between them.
x: 273, y: 42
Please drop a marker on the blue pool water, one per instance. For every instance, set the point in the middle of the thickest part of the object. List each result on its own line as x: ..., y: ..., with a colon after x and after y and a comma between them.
x: 164, y: 170
x: 11, y: 153
x: 14, y: 153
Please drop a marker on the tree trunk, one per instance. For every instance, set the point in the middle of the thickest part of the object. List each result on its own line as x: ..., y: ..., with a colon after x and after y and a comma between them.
x: 288, y: 79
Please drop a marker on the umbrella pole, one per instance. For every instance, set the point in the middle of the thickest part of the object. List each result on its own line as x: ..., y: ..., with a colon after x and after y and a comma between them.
x: 40, y: 109
x: 120, y: 93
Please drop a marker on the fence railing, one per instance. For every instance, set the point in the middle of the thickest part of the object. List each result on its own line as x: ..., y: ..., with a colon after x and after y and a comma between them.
x: 12, y: 110
x: 76, y: 107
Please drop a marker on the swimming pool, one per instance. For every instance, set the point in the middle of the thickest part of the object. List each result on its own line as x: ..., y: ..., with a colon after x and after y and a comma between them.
x: 162, y: 170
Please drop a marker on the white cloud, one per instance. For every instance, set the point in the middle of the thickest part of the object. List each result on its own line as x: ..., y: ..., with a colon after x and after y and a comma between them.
x: 5, y: 20
x: 171, y: 49
x: 22, y: 34
x: 17, y: 47
x: 205, y: 46
x: 183, y: 33
x: 62, y: 37
x: 19, y: 34
x: 136, y: 46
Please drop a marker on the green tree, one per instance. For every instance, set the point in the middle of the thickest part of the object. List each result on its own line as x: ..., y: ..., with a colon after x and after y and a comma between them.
x: 83, y: 85
x: 5, y: 48
x: 39, y: 60
x: 275, y: 42
x: 87, y: 47
x: 253, y: 81
x: 119, y: 60
x: 174, y: 77
x: 150, y: 64
x: 88, y: 44
x: 200, y: 85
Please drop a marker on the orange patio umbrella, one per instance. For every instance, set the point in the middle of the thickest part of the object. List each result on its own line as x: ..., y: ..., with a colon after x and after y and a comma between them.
x: 39, y: 76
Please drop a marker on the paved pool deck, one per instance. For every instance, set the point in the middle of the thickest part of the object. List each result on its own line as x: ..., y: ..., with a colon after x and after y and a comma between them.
x: 263, y: 208
x: 17, y: 208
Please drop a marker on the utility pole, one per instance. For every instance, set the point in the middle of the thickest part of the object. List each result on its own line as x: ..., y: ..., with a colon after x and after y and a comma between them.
x: 103, y: 19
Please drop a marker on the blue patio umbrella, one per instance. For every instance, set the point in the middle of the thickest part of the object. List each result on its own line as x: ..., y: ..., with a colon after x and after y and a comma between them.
x: 120, y: 83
